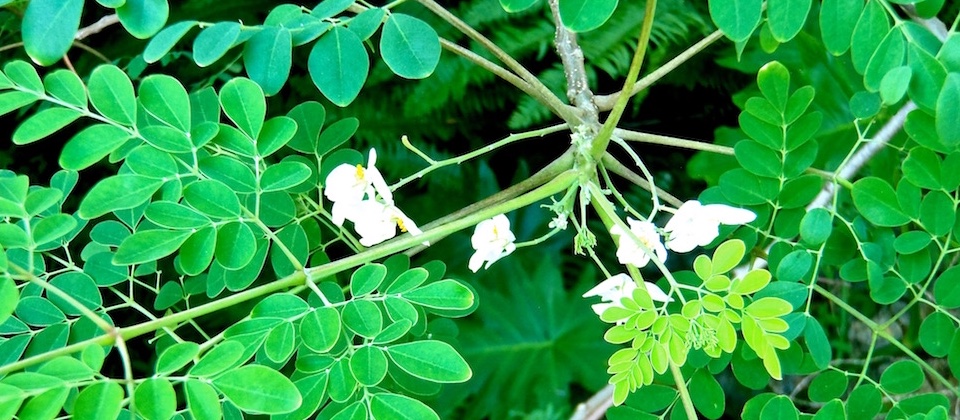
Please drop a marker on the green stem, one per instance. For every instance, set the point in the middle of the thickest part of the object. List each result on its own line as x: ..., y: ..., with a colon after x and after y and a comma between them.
x: 682, y: 390
x: 671, y: 141
x: 603, y: 137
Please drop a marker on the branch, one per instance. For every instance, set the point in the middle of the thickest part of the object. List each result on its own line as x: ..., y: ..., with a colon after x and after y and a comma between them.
x: 571, y: 55
x: 671, y: 141
x: 606, y: 102
x: 596, y: 406
x: 619, y: 168
x: 98, y: 26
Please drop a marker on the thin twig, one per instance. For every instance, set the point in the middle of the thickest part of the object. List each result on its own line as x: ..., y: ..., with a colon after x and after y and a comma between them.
x: 619, y: 168
x: 96, y: 27
x: 488, y: 65
x: 671, y: 141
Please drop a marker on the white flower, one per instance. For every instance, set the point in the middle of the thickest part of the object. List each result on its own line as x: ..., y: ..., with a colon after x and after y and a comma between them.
x: 559, y: 222
x: 346, y: 185
x: 376, y: 222
x: 493, y: 240
x: 696, y: 225
x: 629, y: 252
x: 620, y: 286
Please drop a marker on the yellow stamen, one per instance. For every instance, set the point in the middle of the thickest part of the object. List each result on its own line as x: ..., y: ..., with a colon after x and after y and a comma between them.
x: 359, y: 173
x: 400, y: 224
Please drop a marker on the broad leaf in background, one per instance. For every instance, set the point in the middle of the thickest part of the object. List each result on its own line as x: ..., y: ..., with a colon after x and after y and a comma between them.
x: 339, y: 65
x: 49, y: 27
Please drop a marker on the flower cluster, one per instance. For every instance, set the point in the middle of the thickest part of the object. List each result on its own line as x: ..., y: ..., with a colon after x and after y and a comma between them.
x: 492, y: 240
x: 361, y: 196
x: 693, y: 225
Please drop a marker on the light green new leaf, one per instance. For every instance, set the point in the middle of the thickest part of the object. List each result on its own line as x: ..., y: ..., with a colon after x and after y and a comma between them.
x: 320, y: 329
x: 339, y: 65
x: 786, y: 17
x: 48, y: 28
x: 43, y: 124
x: 203, y: 401
x: 410, y: 47
x: 400, y: 407
x: 445, y: 294
x: 13, y: 236
x: 164, y: 41
x: 66, y: 86
x: 118, y: 192
x: 155, y: 399
x: 166, y: 99
x: 877, y: 201
x: 259, y: 389
x: 212, y: 198
x: 91, y: 145
x: 736, y: 18
x: 243, y: 102
x: 10, y: 101
x: 214, y: 41
x: 102, y: 400
x: 111, y: 93
x: 149, y: 245
x: 948, y: 111
x: 267, y: 57
x: 837, y: 20
x: 143, y: 18
x: 586, y: 15
x: 431, y: 360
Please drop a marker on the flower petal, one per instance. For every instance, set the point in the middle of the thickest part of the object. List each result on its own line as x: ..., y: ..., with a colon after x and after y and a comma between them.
x: 729, y: 215
x: 656, y: 293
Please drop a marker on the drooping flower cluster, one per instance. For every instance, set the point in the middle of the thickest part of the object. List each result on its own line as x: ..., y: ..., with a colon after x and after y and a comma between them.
x: 492, y: 240
x: 361, y: 196
x: 693, y: 225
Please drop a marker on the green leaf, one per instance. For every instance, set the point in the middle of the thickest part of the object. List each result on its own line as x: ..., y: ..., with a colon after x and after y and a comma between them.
x: 401, y: 407
x: 407, y: 281
x: 342, y: 384
x: 149, y: 161
x: 411, y: 48
x: 742, y: 187
x: 794, y: 266
x: 111, y: 93
x: 175, y: 216
x: 243, y: 102
x: 817, y: 343
x: 837, y: 21
x: 165, y: 98
x: 366, y: 22
x: 902, y: 377
x: 117, y: 192
x: 369, y: 365
x: 779, y: 408
x: 922, y: 168
x: 164, y: 41
x: 877, y: 201
x: 203, y: 401
x: 282, y: 305
x: 198, y: 251
x: 870, y: 30
x: 936, y: 332
x: 432, y: 360
x: 267, y: 57
x: 816, y: 226
x: 43, y: 124
x: 276, y: 132
x: 513, y: 6
x: 339, y: 65
x: 80, y: 287
x: 46, y: 405
x: 758, y: 159
x: 234, y: 174
x: 214, y: 41
x: 947, y: 288
x: 363, y: 317
x: 283, y: 175
x: 736, y: 18
x: 948, y: 110
x: 366, y: 279
x: 894, y: 84
x: 336, y: 134
x: 911, y: 242
x: 221, y: 357
x: 143, y: 18
x: 155, y: 399
x: 888, y: 56
x: 67, y: 87
x: 170, y: 294
x: 91, y: 145
x: 38, y: 311
x: 236, y: 245
x: 149, y: 245
x: 25, y: 75
x: 10, y: 101
x: 309, y: 117
x: 320, y: 329
x: 330, y: 8
x: 52, y: 228
x: 584, y: 15
x: 937, y: 213
x: 176, y: 356
x: 445, y: 294
x: 827, y: 385
x: 101, y: 400
x: 48, y: 28
x: 167, y: 139
x: 212, y: 198
x: 706, y: 394
x: 259, y: 389
x: 9, y: 297
x: 13, y: 236
x: 279, y: 344
x: 786, y: 17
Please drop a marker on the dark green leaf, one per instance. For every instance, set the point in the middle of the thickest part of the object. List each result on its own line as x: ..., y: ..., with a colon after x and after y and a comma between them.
x: 827, y: 385
x: 336, y: 134
x: 902, y: 377
x: 242, y: 100
x: 947, y: 288
x: 736, y: 18
x: 267, y: 58
x: 411, y: 48
x: 165, y: 98
x: 309, y: 117
x: 38, y: 311
x: 758, y: 159
x: 936, y: 332
x: 870, y: 30
x: 338, y: 65
x: 164, y: 41
x: 212, y: 198
x: 706, y: 394
x: 817, y: 343
x: 320, y: 329
x: 276, y: 132
x: 937, y: 213
x: 948, y: 110
x: 837, y: 21
x: 786, y: 17
x: 877, y: 201
x: 143, y: 18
